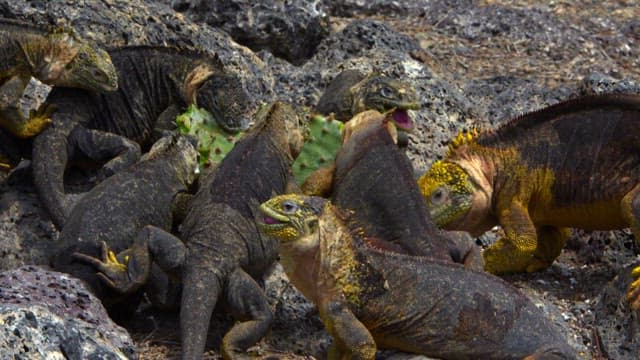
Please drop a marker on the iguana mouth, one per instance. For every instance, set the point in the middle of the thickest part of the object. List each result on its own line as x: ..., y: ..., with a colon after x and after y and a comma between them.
x: 270, y: 221
x: 402, y: 119
x: 272, y: 217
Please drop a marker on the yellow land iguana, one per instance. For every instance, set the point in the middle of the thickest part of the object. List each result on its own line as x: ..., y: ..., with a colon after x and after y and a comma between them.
x: 574, y: 164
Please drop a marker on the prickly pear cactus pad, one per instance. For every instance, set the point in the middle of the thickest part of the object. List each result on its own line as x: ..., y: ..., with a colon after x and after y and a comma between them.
x: 213, y: 141
x: 321, y: 147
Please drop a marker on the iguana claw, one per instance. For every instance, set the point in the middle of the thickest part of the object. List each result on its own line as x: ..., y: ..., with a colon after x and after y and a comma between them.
x: 111, y: 271
x: 633, y: 294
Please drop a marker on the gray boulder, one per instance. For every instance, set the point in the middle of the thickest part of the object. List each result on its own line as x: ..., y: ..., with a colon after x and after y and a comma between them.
x: 50, y: 315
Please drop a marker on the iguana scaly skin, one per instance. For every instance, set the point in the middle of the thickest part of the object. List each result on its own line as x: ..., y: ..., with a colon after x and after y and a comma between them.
x: 110, y: 216
x: 352, y: 92
x: 574, y: 164
x: 369, y: 297
x: 373, y: 178
x: 155, y: 85
x: 56, y: 57
x: 224, y: 255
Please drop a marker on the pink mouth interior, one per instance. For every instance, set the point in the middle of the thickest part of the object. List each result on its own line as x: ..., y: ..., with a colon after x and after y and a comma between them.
x: 270, y: 221
x: 402, y: 119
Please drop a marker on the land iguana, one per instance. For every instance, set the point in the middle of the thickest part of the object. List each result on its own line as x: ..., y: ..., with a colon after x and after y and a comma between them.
x: 223, y: 253
x: 368, y: 296
x: 573, y: 164
x: 352, y: 92
x: 55, y: 56
x: 373, y: 178
x: 155, y: 84
x: 110, y: 216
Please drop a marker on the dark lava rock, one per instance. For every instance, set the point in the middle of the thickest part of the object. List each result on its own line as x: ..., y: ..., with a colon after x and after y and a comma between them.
x: 598, y: 83
x: 354, y: 8
x: 49, y: 315
x: 358, y: 37
x: 500, y: 98
x: 289, y: 29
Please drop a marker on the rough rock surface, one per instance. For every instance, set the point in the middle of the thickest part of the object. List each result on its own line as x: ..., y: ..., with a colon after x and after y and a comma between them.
x: 288, y: 29
x: 474, y: 62
x: 49, y: 315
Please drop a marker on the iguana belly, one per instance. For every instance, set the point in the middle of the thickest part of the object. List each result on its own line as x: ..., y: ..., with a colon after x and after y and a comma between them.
x: 602, y: 215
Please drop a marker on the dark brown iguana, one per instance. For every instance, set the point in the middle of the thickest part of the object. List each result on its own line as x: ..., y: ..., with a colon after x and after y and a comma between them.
x: 112, y: 214
x: 574, y: 164
x: 54, y: 56
x: 156, y: 83
x: 373, y: 178
x: 352, y: 92
x: 369, y: 297
x: 225, y: 254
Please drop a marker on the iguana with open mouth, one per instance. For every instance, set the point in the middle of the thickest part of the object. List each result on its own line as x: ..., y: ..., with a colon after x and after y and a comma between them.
x: 352, y: 92
x: 369, y: 296
x: 223, y: 255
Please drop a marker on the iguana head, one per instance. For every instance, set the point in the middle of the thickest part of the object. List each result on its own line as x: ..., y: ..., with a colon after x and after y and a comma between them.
x: 73, y: 62
x: 180, y: 151
x: 448, y: 191
x: 383, y: 93
x: 227, y: 100
x: 290, y: 217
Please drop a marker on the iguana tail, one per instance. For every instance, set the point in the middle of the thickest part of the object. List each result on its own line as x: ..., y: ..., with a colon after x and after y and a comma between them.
x: 199, y: 296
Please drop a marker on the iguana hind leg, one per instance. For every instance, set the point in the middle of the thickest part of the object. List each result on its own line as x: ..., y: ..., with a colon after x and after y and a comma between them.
x: 631, y: 211
x: 247, y: 301
x: 118, y: 151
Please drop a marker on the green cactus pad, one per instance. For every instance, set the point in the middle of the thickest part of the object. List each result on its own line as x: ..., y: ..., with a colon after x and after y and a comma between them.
x: 321, y: 147
x: 213, y: 141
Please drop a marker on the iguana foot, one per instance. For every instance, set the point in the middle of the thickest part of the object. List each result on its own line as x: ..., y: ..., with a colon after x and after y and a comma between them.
x: 633, y: 294
x: 38, y: 121
x: 503, y: 257
x: 112, y: 271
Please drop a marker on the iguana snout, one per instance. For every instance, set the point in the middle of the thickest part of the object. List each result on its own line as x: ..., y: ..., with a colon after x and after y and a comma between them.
x: 88, y: 67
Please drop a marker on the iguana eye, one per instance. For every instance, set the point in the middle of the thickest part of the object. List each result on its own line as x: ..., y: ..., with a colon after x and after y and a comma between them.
x: 439, y: 196
x: 386, y: 92
x: 289, y: 207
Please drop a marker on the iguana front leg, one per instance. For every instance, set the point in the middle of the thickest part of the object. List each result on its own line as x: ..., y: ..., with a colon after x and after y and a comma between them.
x: 352, y: 340
x: 12, y: 118
x: 129, y: 270
x: 100, y: 146
x: 248, y: 302
x: 514, y: 252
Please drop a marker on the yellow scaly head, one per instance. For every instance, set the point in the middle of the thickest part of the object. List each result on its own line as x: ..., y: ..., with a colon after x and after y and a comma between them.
x: 448, y: 192
x: 290, y: 217
x: 73, y: 62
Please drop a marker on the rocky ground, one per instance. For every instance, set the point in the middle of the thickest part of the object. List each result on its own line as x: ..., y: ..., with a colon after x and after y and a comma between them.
x: 475, y: 63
